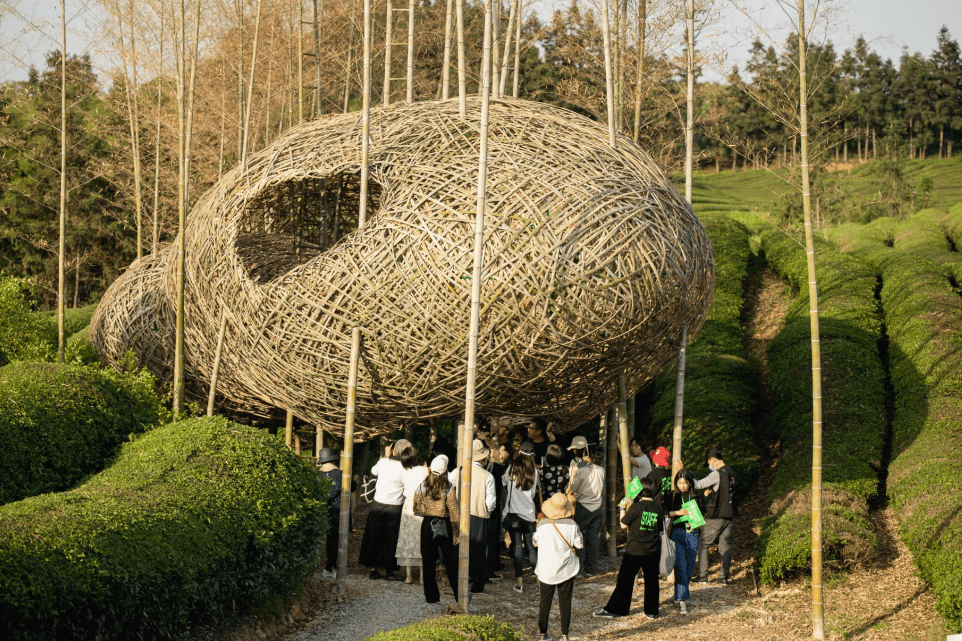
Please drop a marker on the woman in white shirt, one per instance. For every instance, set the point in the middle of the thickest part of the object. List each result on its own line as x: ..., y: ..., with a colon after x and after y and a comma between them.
x: 557, y: 539
x: 409, y: 536
x: 379, y: 544
x: 521, y: 481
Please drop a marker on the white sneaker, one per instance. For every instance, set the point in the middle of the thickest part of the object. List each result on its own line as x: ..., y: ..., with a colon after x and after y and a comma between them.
x: 330, y: 574
x: 682, y: 607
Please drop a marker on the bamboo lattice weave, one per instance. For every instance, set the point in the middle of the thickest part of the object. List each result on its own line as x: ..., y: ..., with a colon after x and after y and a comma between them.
x: 592, y: 263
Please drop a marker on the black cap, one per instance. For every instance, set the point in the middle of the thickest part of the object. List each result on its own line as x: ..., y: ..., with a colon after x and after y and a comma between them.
x: 713, y: 452
x: 326, y: 455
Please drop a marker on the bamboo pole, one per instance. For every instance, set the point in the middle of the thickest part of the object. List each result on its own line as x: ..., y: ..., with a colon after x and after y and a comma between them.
x: 609, y: 86
x: 679, y: 402
x: 365, y: 116
x: 446, y: 67
x: 133, y: 119
x: 623, y: 431
x: 517, y: 51
x: 181, y: 54
x: 495, y: 43
x: 611, y: 472
x: 62, y: 241
x: 347, y: 454
x: 239, y: 7
x: 631, y: 414
x: 507, y: 47
x: 690, y: 122
x: 300, y: 60
x: 388, y: 35
x: 410, y: 77
x: 216, y: 368
x: 642, y: 27
x: 473, y: 331
x: 818, y: 613
x: 616, y: 62
x: 462, y: 70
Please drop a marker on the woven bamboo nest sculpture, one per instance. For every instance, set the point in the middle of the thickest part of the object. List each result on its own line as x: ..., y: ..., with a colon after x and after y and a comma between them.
x: 592, y: 263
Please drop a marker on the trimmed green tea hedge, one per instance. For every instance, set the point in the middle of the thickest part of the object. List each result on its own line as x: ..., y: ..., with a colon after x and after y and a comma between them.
x: 193, y: 520
x: 924, y: 234
x: 74, y: 319
x: 721, y: 383
x: 460, y: 627
x: 60, y: 423
x: 24, y: 335
x: 924, y: 320
x: 853, y: 409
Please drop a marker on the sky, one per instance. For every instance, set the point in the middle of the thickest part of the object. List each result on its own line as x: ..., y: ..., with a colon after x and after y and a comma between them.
x: 889, y: 25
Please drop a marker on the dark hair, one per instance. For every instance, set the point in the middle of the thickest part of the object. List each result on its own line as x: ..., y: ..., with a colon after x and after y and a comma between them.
x: 410, y: 458
x: 579, y: 453
x: 554, y: 455
x: 647, y: 487
x: 443, y: 446
x: 522, y: 471
x: 539, y: 423
x: 435, y: 485
x: 688, y: 476
x: 636, y: 441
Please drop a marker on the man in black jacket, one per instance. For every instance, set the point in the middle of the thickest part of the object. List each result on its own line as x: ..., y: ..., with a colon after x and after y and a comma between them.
x: 719, y: 485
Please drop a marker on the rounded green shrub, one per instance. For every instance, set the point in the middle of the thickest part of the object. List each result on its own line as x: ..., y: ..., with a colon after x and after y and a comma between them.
x: 453, y: 628
x: 60, y: 423
x: 194, y: 520
x: 24, y: 335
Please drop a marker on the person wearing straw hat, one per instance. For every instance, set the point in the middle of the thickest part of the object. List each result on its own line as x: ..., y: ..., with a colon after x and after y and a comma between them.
x: 557, y: 538
x: 588, y: 488
x: 327, y: 459
x: 438, y: 505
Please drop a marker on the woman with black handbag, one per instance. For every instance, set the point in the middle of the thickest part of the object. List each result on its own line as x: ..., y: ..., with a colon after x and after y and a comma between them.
x: 520, y: 513
x: 438, y: 504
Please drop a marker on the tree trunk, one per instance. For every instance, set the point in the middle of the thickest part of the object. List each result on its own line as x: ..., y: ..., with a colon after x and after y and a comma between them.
x: 76, y: 283
x: 512, y: 16
x: 609, y: 81
x: 517, y: 51
x: 365, y: 117
x: 245, y: 148
x: 410, y: 77
x: 388, y: 48
x: 316, y: 102
x: 941, y: 138
x: 495, y: 45
x: 133, y: 120
x: 446, y: 67
x: 300, y: 60
x: 642, y: 24
x: 818, y: 616
x: 462, y: 62
x: 611, y: 472
x: 155, y: 232
x: 679, y: 402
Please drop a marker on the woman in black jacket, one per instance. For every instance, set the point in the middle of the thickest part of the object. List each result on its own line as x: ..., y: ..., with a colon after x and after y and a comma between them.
x: 645, y: 521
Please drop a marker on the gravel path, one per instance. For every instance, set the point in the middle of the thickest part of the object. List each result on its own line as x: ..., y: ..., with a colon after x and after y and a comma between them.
x: 374, y: 606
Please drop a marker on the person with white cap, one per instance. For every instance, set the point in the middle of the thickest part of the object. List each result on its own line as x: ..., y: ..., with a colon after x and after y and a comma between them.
x: 557, y: 539
x: 437, y: 503
x: 588, y: 488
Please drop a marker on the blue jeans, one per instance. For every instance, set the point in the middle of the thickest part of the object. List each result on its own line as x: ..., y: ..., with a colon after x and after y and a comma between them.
x: 686, y: 550
x: 518, y: 549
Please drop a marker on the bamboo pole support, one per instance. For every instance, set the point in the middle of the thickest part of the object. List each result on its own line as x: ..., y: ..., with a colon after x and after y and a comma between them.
x: 410, y: 77
x: 62, y: 241
x: 388, y: 35
x: 473, y: 331
x: 609, y: 86
x: 365, y: 116
x: 347, y: 454
x: 690, y: 122
x: 495, y: 44
x: 611, y: 474
x: 512, y: 16
x: 631, y: 414
x: 318, y: 441
x: 623, y: 431
x: 517, y: 52
x: 462, y: 62
x: 679, y: 403
x: 300, y: 61
x: 642, y: 27
x: 219, y: 350
x: 316, y: 96
x: 289, y: 429
x: 818, y: 612
x: 245, y: 150
x: 446, y: 66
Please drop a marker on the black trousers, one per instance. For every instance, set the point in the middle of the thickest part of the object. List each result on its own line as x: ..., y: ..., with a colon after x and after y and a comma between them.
x: 493, y: 544
x: 478, y: 545
x: 333, y: 540
x: 430, y: 551
x: 564, y: 603
x: 379, y: 543
x: 620, y: 601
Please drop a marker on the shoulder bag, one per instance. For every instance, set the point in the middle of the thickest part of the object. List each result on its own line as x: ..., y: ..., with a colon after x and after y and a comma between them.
x: 667, y: 563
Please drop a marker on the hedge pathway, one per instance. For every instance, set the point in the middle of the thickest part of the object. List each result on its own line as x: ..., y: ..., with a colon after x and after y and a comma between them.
x: 880, y: 600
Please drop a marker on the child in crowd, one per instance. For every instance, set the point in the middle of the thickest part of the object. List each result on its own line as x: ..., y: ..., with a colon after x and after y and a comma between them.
x: 557, y: 539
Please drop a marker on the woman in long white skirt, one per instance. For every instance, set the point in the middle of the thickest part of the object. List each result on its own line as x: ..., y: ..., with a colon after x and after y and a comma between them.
x: 409, y: 539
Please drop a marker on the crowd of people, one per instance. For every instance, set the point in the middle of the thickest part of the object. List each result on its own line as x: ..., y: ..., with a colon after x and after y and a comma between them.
x: 534, y: 497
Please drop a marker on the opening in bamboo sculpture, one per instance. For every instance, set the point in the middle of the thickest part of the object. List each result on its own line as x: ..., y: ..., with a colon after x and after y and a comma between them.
x: 593, y: 262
